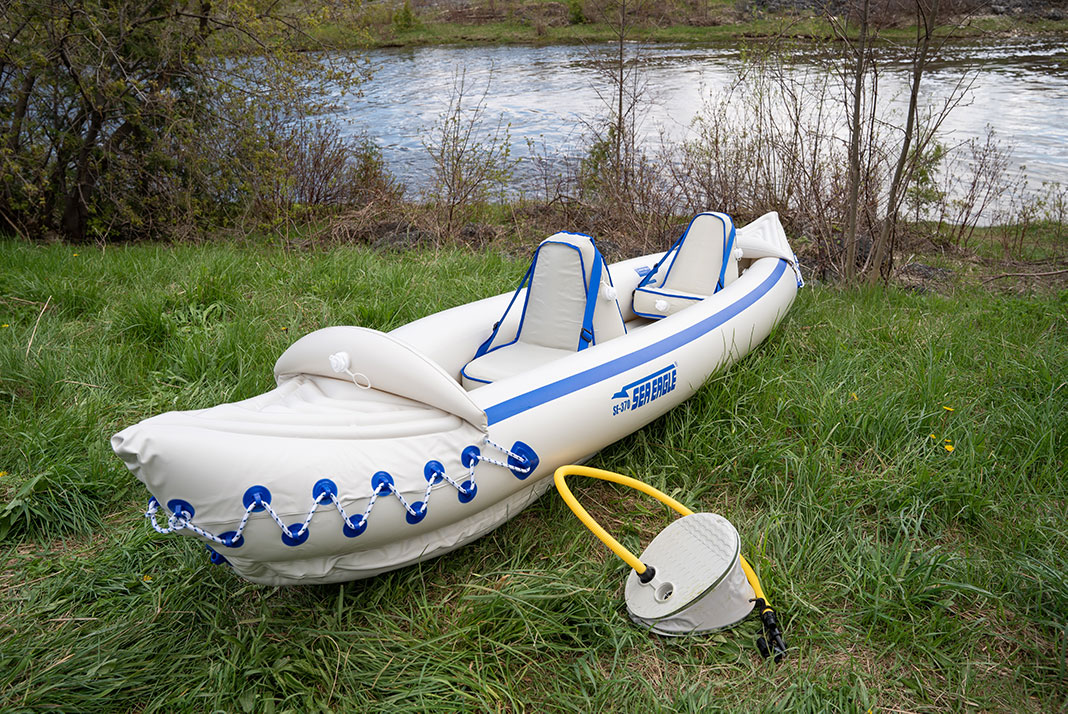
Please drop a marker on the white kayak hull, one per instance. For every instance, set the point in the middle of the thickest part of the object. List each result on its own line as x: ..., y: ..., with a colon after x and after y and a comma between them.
x: 368, y: 480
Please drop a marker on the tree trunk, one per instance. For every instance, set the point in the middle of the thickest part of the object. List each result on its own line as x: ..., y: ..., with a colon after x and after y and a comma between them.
x: 19, y: 113
x: 75, y: 222
x: 925, y: 27
x: 849, y: 239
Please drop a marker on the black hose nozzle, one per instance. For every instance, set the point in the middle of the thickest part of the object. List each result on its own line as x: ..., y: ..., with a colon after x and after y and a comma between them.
x: 772, y: 641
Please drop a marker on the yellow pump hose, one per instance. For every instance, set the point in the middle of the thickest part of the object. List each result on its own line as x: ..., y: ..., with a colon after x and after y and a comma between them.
x: 616, y: 547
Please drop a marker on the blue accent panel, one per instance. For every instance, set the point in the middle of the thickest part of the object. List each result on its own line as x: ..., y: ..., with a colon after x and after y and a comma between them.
x: 358, y: 526
x: 433, y: 471
x: 471, y: 488
x: 250, y: 497
x: 529, y: 459
x: 469, y: 456
x: 535, y: 398
x: 215, y: 557
x: 290, y: 537
x: 381, y: 478
x: 322, y: 486
x: 178, y: 507
x: 420, y: 513
x: 232, y: 540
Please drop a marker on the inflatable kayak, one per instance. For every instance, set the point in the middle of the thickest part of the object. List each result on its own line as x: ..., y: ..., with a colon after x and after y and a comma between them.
x: 378, y: 450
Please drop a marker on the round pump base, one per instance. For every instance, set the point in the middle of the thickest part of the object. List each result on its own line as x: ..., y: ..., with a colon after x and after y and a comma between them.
x: 698, y: 584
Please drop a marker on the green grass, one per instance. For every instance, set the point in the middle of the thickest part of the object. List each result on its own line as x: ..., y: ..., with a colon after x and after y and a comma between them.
x: 909, y: 577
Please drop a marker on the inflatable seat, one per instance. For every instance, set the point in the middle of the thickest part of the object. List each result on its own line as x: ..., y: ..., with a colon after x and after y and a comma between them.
x: 569, y: 305
x: 699, y: 264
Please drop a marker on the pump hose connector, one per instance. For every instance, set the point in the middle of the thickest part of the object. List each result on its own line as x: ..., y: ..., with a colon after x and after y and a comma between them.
x: 772, y: 633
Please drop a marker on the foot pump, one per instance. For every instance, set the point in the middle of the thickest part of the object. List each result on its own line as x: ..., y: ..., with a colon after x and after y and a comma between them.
x: 692, y: 578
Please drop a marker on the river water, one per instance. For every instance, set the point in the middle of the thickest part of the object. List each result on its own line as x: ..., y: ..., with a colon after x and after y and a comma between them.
x: 547, y: 96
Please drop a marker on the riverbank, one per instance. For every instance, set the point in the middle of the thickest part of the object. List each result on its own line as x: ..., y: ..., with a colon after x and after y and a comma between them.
x: 392, y: 24
x: 1016, y: 259
x: 892, y: 460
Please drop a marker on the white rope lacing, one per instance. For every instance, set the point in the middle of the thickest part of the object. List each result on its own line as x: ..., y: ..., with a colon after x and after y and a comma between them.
x: 182, y: 520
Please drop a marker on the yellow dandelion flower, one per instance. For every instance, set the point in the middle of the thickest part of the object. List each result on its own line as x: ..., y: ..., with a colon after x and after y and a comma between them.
x: 949, y: 409
x: 75, y: 255
x: 949, y: 447
x: 853, y: 395
x: 5, y: 325
x: 146, y: 578
x: 3, y: 473
x: 932, y: 436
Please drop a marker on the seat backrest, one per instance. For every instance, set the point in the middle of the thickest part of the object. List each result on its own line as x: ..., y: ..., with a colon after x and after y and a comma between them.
x: 701, y: 256
x: 698, y: 265
x: 559, y: 300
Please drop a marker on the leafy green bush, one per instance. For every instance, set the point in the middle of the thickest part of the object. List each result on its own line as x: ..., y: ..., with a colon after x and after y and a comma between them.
x: 575, y: 14
x: 404, y: 19
x: 135, y: 119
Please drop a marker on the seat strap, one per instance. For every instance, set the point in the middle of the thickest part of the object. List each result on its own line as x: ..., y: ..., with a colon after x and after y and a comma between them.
x: 726, y: 256
x: 594, y: 287
x: 484, y: 347
x: 656, y: 266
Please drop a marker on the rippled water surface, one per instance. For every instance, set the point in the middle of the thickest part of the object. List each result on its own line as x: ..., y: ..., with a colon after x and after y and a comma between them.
x: 546, y: 94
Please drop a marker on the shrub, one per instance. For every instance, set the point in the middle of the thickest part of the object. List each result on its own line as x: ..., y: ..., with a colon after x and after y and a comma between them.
x: 404, y: 19
x: 575, y: 14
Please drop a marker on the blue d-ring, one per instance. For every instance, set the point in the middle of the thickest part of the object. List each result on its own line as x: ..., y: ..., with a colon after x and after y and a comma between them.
x: 469, y: 456
x: 380, y: 478
x: 467, y: 491
x: 231, y: 539
x: 351, y: 531
x: 529, y: 461
x: 324, y: 485
x: 420, y: 513
x: 179, y: 507
x: 250, y: 498
x: 292, y: 536
x: 433, y: 472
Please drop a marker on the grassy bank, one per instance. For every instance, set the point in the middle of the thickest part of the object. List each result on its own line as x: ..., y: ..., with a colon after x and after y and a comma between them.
x: 547, y: 22
x: 910, y: 576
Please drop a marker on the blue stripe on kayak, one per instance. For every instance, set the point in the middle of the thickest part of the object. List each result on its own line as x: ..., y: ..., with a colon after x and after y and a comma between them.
x: 608, y: 370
